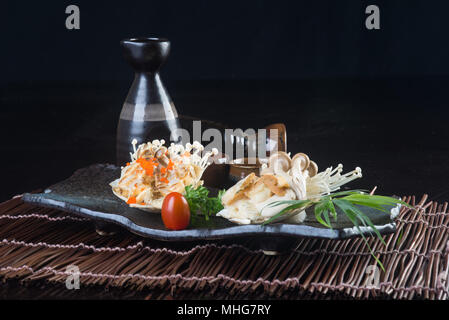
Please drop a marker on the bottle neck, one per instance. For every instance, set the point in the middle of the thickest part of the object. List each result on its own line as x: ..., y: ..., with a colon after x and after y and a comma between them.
x: 148, y: 100
x: 146, y: 88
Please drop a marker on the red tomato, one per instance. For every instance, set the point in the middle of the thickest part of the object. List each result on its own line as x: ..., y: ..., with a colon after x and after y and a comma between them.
x: 175, y: 211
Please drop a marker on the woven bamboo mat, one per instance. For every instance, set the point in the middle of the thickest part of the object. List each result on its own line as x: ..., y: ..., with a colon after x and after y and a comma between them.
x: 37, y: 244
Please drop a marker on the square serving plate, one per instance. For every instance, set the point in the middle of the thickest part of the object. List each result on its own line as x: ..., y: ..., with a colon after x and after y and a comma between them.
x: 87, y: 193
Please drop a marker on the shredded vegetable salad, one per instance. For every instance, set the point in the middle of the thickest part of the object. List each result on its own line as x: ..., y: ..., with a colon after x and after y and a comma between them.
x: 155, y: 170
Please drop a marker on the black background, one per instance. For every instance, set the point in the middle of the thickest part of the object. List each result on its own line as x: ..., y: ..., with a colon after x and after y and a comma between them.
x: 370, y: 98
x: 226, y: 39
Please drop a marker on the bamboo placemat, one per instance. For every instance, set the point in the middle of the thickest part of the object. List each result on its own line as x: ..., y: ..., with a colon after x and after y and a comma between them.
x: 37, y: 244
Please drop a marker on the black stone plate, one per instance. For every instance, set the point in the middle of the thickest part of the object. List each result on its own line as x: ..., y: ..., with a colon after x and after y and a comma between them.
x: 87, y: 193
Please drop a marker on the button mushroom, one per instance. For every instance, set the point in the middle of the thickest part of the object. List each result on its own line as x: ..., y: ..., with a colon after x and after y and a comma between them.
x: 312, y: 169
x: 279, y: 162
x: 300, y: 163
x: 301, y: 160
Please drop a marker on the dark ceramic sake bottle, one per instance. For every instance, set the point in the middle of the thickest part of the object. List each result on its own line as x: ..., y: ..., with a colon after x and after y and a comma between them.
x: 148, y: 112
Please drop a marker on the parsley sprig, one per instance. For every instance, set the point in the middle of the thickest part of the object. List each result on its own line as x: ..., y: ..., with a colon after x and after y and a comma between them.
x: 200, y: 202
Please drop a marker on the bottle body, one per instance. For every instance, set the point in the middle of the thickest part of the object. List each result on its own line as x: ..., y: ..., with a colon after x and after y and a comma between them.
x: 148, y: 112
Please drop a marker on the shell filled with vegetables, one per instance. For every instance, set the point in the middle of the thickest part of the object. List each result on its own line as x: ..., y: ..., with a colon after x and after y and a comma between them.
x: 155, y: 170
x: 283, y: 178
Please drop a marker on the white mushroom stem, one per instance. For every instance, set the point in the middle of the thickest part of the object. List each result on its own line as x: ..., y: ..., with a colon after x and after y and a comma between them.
x: 157, y: 143
x: 133, y: 157
x: 299, y: 180
x: 198, y: 147
x: 299, y: 186
x: 134, y: 142
x: 203, y: 163
x: 347, y: 177
x: 330, y: 180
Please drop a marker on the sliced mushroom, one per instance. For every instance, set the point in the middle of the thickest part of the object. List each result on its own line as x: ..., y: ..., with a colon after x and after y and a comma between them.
x: 312, y: 169
x: 144, y: 153
x: 279, y: 161
x: 161, y: 157
x: 302, y: 160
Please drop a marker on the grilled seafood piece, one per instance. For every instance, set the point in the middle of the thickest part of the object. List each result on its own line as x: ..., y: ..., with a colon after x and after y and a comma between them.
x: 283, y: 178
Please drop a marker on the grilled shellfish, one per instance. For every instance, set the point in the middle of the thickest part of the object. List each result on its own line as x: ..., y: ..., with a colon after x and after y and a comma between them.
x: 282, y: 179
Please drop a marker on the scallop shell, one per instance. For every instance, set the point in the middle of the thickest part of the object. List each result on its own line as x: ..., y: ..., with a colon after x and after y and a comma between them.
x: 148, y: 208
x: 197, y: 164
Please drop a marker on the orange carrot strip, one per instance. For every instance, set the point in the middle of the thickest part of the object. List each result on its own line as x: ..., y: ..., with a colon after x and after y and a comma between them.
x: 163, y: 179
x: 131, y: 200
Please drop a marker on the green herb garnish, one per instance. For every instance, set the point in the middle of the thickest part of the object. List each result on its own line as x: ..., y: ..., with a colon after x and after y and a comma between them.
x: 347, y: 202
x: 200, y: 202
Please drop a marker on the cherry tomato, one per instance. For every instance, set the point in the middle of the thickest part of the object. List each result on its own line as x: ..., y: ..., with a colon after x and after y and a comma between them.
x: 175, y: 211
